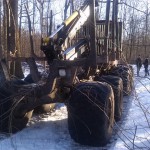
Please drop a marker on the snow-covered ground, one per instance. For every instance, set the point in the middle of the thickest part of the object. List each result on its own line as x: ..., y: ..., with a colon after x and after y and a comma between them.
x: 135, y: 130
x: 49, y: 132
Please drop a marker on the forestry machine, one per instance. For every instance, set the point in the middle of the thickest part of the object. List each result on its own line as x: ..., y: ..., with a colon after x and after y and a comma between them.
x: 86, y: 73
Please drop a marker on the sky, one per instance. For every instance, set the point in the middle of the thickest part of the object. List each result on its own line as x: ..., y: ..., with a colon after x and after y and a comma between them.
x: 50, y: 132
x: 58, y: 11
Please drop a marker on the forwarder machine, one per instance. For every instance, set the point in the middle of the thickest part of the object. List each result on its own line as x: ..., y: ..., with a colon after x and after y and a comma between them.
x: 85, y: 73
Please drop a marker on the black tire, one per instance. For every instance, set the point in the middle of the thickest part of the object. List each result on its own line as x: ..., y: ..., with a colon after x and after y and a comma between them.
x: 117, y: 86
x: 11, y: 122
x: 19, y: 122
x: 91, y: 113
x: 123, y: 72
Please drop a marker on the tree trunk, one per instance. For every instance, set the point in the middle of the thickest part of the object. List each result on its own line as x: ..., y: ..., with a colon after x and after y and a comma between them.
x: 12, y: 24
x: 65, y: 9
x: 1, y: 52
x: 33, y: 68
x: 51, y: 22
x: 72, y: 6
x: 5, y: 10
x: 12, y: 28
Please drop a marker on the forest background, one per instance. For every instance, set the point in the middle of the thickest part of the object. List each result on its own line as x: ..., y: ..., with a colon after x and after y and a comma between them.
x: 24, y: 22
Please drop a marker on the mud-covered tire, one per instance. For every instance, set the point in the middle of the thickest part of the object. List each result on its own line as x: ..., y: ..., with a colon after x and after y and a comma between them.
x: 9, y: 122
x: 117, y: 86
x: 131, y: 76
x: 19, y: 123
x: 125, y: 73
x: 45, y: 108
x: 132, y: 70
x: 91, y: 113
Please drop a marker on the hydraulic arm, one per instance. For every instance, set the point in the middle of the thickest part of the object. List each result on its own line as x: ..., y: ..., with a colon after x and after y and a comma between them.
x: 52, y: 45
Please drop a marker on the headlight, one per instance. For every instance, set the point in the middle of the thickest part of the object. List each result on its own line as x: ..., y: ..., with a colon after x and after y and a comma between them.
x: 62, y: 72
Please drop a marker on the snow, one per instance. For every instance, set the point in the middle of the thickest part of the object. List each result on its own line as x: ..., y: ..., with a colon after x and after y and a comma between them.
x: 50, y: 131
x: 135, y: 133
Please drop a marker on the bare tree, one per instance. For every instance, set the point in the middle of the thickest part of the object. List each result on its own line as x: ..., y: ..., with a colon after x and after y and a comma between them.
x: 12, y: 36
x: 66, y: 9
x: 1, y: 53
x: 31, y: 62
x: 71, y: 6
x: 146, y: 29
